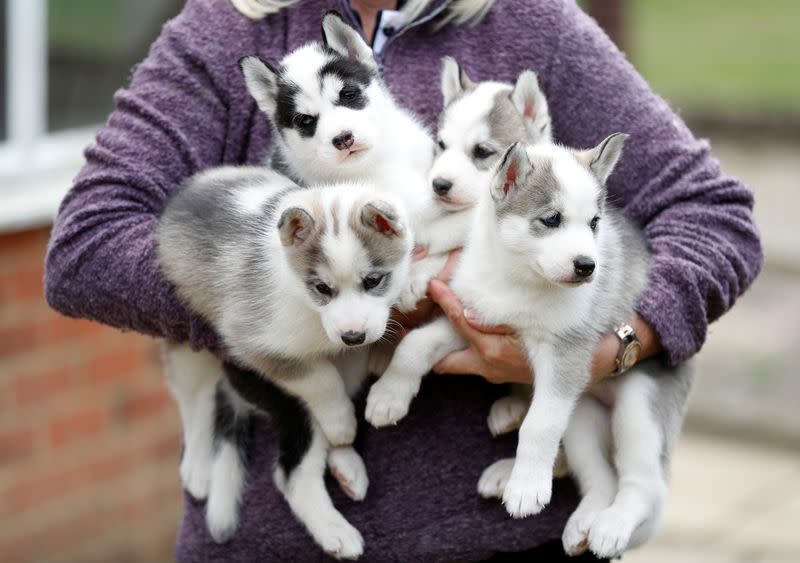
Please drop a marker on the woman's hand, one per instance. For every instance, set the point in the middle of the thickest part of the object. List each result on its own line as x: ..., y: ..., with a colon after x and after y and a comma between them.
x: 426, y: 309
x: 498, y: 355
x: 494, y: 352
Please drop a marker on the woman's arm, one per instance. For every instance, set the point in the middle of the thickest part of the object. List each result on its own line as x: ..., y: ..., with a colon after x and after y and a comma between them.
x: 697, y: 220
x: 170, y: 123
x: 497, y: 354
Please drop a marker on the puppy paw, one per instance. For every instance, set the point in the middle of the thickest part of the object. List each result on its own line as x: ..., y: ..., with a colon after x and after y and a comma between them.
x: 222, y: 517
x: 339, y: 424
x: 338, y: 538
x: 195, y: 474
x: 528, y: 490
x: 421, y: 273
x: 506, y: 414
x: 610, y: 533
x: 575, y: 538
x: 349, y: 470
x: 388, y: 401
x: 494, y: 478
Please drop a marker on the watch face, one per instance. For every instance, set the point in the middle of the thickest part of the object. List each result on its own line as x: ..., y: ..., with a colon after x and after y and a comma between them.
x: 631, y: 355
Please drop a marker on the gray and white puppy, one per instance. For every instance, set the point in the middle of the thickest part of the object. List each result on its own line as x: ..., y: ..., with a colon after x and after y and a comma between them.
x: 548, y: 256
x: 335, y: 119
x: 479, y: 121
x: 291, y: 278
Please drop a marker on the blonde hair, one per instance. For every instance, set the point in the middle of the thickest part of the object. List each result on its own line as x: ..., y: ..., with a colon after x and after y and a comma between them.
x: 457, y: 13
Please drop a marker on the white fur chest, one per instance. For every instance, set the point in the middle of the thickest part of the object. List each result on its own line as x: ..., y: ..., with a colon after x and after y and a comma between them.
x: 541, y: 312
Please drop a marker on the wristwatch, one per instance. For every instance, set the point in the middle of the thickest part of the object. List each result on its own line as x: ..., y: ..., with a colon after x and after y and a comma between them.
x: 629, y: 348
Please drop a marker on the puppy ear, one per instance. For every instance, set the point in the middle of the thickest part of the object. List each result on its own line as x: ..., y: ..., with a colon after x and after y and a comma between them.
x: 261, y: 79
x: 602, y: 159
x: 382, y: 218
x: 295, y: 226
x: 345, y: 40
x: 510, y: 172
x: 529, y: 100
x: 454, y: 79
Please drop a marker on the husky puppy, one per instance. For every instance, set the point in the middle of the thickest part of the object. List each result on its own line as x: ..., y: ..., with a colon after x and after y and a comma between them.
x: 291, y: 278
x: 336, y: 120
x: 478, y: 123
x: 550, y: 257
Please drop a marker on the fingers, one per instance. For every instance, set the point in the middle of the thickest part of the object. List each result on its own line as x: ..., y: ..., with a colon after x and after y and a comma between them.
x: 459, y: 363
x: 449, y: 266
x: 419, y: 252
x: 425, y: 311
x: 471, y: 362
x: 452, y: 307
x: 464, y: 320
x: 472, y: 320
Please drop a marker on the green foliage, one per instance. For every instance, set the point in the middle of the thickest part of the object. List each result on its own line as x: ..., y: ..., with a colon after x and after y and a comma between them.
x: 719, y: 54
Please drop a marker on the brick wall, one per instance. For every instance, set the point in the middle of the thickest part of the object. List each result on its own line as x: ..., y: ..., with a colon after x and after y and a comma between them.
x: 89, y: 436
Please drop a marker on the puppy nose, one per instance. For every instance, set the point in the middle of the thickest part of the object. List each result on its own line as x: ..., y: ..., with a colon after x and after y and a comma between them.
x: 343, y: 140
x: 353, y: 338
x: 442, y: 186
x: 584, y: 266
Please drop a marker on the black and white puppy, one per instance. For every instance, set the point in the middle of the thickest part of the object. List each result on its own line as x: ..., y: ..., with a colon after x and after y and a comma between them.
x: 293, y: 279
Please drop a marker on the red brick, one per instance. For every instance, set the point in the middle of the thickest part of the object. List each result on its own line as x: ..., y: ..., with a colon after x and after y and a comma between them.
x: 63, y: 538
x: 146, y: 404
x: 81, y: 424
x: 166, y: 447
x: 58, y: 329
x: 17, y: 548
x: 34, y: 241
x: 16, y: 444
x: 38, y: 487
x: 18, y: 338
x: 118, y: 362
x: 25, y: 284
x: 111, y: 466
x: 30, y: 387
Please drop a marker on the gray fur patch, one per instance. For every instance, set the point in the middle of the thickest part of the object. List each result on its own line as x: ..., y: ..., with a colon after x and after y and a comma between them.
x: 308, y: 256
x: 505, y: 122
x: 534, y: 194
x: 669, y: 401
x: 335, y: 216
x: 383, y: 250
x: 202, y: 224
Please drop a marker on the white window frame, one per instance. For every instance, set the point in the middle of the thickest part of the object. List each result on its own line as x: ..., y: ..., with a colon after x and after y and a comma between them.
x: 36, y: 167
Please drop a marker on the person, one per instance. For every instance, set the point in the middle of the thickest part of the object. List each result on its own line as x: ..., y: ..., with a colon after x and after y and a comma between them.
x: 187, y: 109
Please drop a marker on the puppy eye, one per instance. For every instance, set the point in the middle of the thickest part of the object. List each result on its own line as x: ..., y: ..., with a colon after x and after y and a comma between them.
x: 323, y: 289
x: 372, y: 281
x: 304, y: 121
x: 482, y: 151
x: 441, y: 145
x: 552, y: 221
x: 593, y: 223
x: 348, y: 94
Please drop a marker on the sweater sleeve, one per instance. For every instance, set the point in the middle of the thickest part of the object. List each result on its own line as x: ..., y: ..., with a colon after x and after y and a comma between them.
x: 168, y: 124
x: 698, y: 221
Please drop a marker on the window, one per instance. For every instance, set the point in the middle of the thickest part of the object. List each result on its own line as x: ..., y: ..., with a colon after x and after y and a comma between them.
x: 61, y: 61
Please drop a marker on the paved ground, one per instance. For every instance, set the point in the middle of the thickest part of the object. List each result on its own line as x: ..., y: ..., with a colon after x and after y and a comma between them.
x: 734, y: 497
x: 730, y: 502
x: 747, y: 382
x: 772, y: 170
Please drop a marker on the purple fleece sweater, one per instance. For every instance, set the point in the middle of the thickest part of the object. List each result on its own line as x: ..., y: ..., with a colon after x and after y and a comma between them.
x: 187, y: 109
